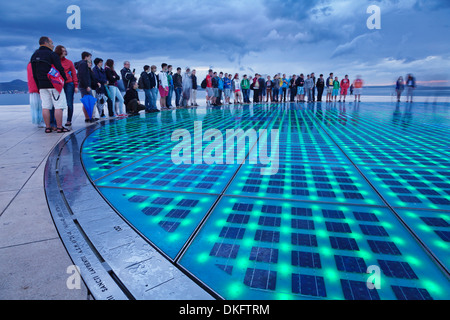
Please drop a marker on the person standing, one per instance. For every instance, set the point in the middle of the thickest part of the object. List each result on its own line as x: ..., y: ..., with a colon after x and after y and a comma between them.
x: 113, y: 77
x: 237, y: 89
x: 313, y: 77
x: 171, y: 87
x: 163, y: 85
x: 85, y: 78
x: 245, y: 85
x: 329, y: 84
x: 35, y: 99
x: 186, y: 88
x: 42, y: 61
x: 284, y: 88
x: 320, y: 84
x: 410, y: 86
x: 100, y: 81
x: 345, y: 84
x: 399, y: 87
x: 178, y: 86
x: 262, y: 85
x: 308, y: 87
x: 71, y: 85
x: 293, y: 87
x: 336, y: 87
x: 153, y: 84
x: 358, y: 85
x: 194, y: 88
x: 227, y: 88
x: 128, y: 76
x: 276, y: 88
x: 144, y: 82
x: 210, y: 97
x: 269, y: 89
x: 300, y: 82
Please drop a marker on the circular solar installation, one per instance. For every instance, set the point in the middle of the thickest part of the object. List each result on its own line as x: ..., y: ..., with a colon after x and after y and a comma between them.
x: 356, y: 209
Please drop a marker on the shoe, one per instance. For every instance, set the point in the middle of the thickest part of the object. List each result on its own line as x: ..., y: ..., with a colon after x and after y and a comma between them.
x: 62, y: 130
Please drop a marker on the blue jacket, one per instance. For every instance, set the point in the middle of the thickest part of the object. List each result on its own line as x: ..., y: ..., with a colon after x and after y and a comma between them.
x: 100, y: 77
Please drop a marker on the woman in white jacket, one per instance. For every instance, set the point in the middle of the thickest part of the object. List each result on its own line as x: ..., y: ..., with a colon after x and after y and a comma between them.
x: 187, y: 87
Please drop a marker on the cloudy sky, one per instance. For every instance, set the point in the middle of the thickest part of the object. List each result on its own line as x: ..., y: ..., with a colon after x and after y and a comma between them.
x: 244, y: 36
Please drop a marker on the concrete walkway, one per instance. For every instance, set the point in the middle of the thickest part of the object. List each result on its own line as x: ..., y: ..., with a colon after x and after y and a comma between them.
x: 33, y: 260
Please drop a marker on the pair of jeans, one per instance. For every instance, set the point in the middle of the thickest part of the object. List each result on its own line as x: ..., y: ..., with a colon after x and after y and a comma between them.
x: 246, y: 95
x: 178, y: 92
x: 309, y: 94
x: 115, y: 93
x: 148, y: 98
x: 319, y: 93
x: 276, y: 91
x: 153, y: 98
x: 169, y: 97
x: 69, y: 90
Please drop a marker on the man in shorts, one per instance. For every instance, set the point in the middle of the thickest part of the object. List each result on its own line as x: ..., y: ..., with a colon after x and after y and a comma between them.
x: 329, y: 84
x: 42, y: 61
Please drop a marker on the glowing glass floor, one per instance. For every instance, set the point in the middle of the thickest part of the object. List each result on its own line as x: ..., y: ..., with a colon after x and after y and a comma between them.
x: 357, y: 186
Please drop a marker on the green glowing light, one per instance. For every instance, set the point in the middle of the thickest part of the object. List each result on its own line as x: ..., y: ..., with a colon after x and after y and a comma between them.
x: 235, y: 289
x: 221, y: 222
x: 413, y: 261
x: 203, y: 257
x: 432, y: 287
x: 331, y: 275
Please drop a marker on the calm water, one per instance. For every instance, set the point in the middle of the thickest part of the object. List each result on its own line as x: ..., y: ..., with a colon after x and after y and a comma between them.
x: 23, y: 99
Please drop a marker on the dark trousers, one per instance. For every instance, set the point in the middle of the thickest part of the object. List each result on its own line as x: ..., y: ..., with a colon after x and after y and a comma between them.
x: 178, y: 96
x: 283, y: 97
x: 69, y: 90
x: 293, y: 93
x: 256, y: 95
x: 314, y: 94
x: 134, y: 107
x: 319, y: 93
x: 246, y: 95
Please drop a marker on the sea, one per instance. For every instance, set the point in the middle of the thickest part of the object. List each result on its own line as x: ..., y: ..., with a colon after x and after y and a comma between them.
x: 23, y: 98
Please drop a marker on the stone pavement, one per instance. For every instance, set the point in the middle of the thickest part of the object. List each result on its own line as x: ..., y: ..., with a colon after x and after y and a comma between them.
x: 33, y: 260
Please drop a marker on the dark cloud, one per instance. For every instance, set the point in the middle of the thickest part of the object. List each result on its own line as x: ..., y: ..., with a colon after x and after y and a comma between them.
x: 245, y: 35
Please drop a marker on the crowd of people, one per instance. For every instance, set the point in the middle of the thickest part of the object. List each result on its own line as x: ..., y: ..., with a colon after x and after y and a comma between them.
x: 53, y: 80
x: 278, y: 89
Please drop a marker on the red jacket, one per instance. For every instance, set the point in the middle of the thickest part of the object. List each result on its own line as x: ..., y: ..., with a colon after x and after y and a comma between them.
x: 32, y: 87
x: 71, y: 73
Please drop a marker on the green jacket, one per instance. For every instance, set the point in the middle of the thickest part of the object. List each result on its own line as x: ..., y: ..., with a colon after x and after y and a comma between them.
x: 336, y: 84
x: 245, y: 84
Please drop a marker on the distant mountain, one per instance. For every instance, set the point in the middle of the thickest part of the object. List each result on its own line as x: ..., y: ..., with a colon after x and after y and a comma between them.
x: 15, y: 85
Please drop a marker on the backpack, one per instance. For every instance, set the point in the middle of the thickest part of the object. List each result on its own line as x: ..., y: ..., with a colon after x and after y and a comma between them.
x: 141, y: 82
x: 203, y: 85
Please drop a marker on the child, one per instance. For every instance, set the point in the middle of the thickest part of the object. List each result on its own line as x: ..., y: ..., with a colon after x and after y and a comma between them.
x: 335, y: 88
